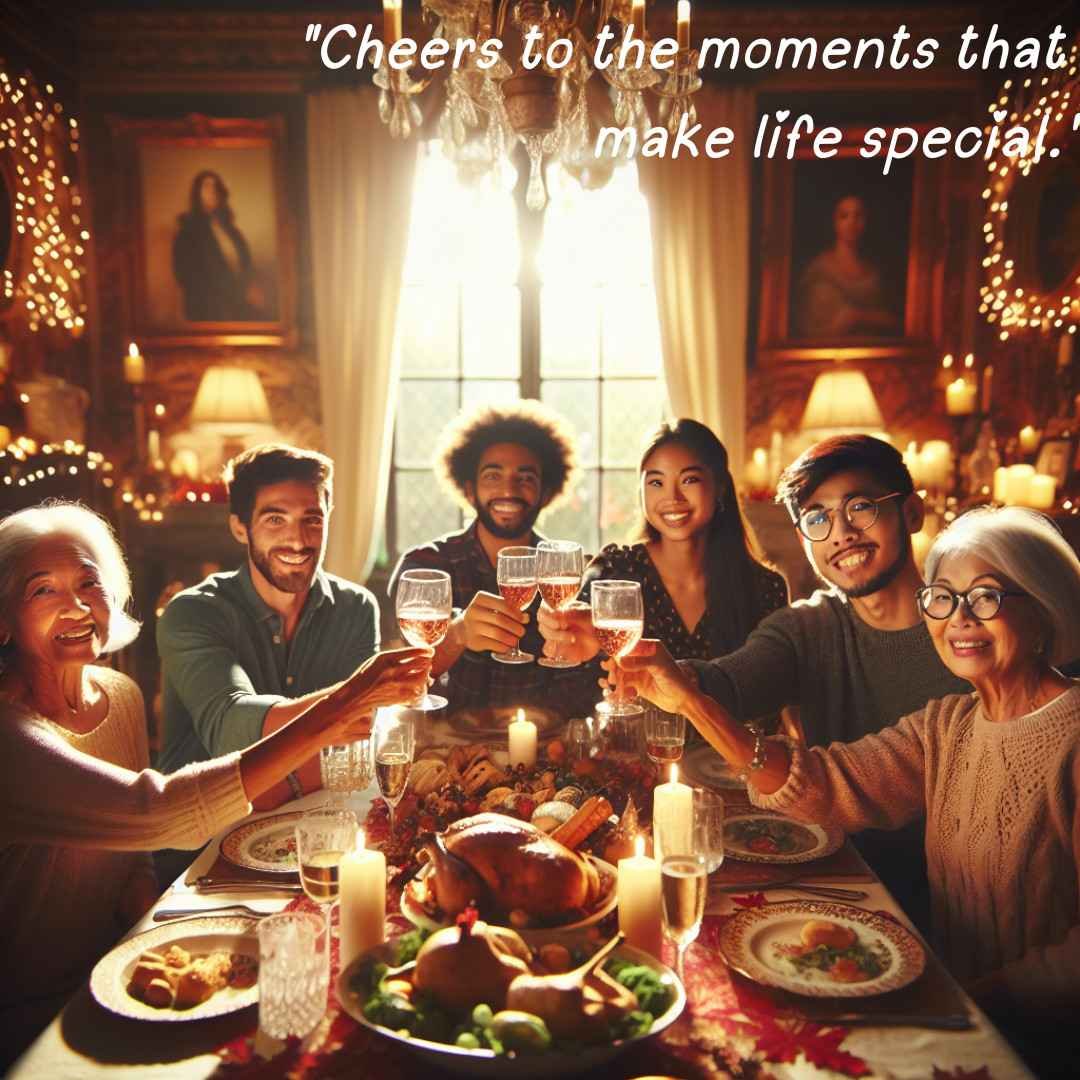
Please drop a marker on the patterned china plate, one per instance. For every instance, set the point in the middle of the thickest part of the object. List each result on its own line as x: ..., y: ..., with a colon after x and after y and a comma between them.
x: 758, y: 836
x: 414, y: 909
x: 268, y: 844
x: 704, y: 766
x: 764, y: 945
x: 205, y: 934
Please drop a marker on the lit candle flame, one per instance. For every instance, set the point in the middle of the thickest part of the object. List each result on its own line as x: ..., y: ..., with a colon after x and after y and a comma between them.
x: 969, y: 360
x: 639, y: 846
x: 521, y: 716
x: 674, y: 774
x: 361, y: 840
x: 947, y: 362
x: 133, y: 349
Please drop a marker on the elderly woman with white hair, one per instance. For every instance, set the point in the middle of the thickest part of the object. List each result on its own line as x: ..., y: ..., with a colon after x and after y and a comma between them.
x: 79, y: 806
x: 996, y: 772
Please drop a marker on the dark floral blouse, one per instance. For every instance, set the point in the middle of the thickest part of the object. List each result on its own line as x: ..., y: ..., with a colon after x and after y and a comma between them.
x: 662, y: 619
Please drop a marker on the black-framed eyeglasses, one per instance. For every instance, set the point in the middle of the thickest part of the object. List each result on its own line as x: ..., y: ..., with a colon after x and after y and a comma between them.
x: 983, y: 601
x: 860, y: 512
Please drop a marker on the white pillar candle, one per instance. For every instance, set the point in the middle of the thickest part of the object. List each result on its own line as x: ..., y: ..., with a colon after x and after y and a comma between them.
x: 936, y: 458
x: 362, y: 876
x: 1018, y: 484
x: 914, y: 464
x: 673, y: 817
x: 522, y: 735
x: 1042, y: 491
x: 757, y: 470
x: 960, y: 398
x: 640, y: 917
x: 1001, y: 480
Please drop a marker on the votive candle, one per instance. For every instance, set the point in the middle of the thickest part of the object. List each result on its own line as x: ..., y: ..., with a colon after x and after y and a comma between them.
x: 134, y: 365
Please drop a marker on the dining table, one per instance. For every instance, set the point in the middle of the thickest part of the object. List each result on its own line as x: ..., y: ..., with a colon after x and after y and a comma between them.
x: 931, y: 1030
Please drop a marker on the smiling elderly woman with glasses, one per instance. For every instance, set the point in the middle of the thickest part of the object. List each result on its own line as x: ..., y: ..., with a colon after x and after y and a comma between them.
x: 996, y: 772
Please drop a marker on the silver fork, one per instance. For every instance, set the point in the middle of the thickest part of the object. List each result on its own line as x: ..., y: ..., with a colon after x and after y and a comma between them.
x: 827, y: 892
x: 164, y: 914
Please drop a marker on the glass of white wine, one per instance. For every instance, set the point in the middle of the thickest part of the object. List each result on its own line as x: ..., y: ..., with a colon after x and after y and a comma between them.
x: 684, y: 881
x: 424, y: 604
x: 394, y: 740
x: 618, y: 617
x: 322, y: 838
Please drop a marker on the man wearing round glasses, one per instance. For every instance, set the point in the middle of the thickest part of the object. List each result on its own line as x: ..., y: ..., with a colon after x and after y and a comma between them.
x: 856, y: 656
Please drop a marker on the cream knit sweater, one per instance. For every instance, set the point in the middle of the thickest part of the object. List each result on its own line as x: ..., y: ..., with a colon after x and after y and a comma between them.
x: 75, y: 812
x: 1002, y: 830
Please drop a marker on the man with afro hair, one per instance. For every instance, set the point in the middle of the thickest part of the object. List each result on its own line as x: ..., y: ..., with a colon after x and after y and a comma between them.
x: 505, y: 464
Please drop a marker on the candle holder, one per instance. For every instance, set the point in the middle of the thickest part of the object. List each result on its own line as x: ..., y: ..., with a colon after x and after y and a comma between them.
x: 397, y: 93
x: 675, y: 91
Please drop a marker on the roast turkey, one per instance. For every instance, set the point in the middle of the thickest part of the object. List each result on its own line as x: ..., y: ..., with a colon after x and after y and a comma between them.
x: 503, y: 865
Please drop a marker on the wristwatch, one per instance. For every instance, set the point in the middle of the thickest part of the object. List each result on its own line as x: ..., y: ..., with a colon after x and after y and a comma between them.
x: 759, y: 758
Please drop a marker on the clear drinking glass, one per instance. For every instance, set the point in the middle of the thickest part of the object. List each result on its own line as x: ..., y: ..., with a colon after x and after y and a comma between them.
x: 394, y: 739
x: 294, y: 972
x: 709, y: 827
x: 345, y: 768
x: 665, y: 736
x: 559, y: 566
x: 425, y: 605
x: 322, y: 838
x: 618, y: 617
x: 516, y: 574
x: 683, y: 885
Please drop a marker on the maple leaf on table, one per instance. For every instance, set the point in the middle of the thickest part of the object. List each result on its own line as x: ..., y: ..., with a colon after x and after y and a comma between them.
x: 784, y: 1042
x: 750, y: 900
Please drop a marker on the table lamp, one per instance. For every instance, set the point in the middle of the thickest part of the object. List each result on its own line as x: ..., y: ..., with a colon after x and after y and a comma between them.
x: 230, y: 402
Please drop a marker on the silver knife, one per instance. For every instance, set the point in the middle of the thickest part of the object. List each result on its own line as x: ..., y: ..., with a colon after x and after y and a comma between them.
x: 947, y: 1022
x: 207, y: 884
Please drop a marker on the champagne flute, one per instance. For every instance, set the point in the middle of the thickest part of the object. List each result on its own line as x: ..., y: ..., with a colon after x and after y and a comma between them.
x: 322, y: 838
x: 516, y: 574
x: 394, y: 739
x: 424, y: 607
x: 665, y: 736
x: 559, y: 566
x: 709, y: 827
x: 683, y: 884
x: 618, y: 617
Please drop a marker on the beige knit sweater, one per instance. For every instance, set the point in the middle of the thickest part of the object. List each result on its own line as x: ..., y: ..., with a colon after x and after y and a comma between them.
x: 1002, y: 830
x: 75, y: 812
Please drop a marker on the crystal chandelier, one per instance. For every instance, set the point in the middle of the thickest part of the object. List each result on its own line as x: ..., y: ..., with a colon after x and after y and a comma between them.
x: 553, y: 108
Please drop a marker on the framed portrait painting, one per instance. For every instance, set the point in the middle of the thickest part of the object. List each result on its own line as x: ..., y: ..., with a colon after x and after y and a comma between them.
x: 214, y: 256
x: 851, y: 260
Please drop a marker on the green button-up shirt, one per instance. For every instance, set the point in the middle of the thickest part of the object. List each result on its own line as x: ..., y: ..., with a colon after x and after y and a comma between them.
x: 226, y: 662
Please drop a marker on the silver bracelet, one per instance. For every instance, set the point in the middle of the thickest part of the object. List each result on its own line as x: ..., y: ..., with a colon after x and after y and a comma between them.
x: 295, y: 786
x: 760, y: 750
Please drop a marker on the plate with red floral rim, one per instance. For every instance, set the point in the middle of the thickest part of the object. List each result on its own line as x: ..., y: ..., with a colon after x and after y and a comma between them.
x: 268, y: 844
x: 763, y: 837
x: 864, y: 953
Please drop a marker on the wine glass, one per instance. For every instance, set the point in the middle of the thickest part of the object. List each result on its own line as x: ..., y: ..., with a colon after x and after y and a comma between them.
x: 559, y: 566
x: 345, y: 768
x: 618, y: 617
x: 424, y: 608
x: 709, y: 827
x: 665, y: 736
x: 394, y: 740
x: 683, y: 885
x: 516, y: 574
x: 322, y: 838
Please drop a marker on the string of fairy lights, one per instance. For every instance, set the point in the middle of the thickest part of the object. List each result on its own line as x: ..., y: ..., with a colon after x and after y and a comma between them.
x: 47, y: 206
x: 1046, y: 105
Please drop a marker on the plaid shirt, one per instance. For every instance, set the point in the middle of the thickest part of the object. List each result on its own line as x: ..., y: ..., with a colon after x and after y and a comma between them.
x: 476, y: 680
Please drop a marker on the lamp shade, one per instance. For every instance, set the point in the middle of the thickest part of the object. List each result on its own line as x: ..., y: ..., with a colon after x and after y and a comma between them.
x: 842, y: 399
x: 230, y: 398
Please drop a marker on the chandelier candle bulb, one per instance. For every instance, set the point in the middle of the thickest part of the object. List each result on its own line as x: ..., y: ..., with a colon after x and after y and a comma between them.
x: 362, y: 877
x: 1029, y: 439
x: 673, y: 817
x: 1042, y: 492
x: 391, y: 21
x: 522, y: 736
x: 637, y: 18
x: 683, y: 24
x: 134, y: 366
x: 640, y: 912
x: 960, y: 398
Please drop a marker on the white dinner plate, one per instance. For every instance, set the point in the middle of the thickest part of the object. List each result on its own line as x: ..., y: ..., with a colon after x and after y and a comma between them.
x: 268, y: 844
x: 205, y: 934
x: 758, y: 836
x: 764, y: 944
x: 417, y: 913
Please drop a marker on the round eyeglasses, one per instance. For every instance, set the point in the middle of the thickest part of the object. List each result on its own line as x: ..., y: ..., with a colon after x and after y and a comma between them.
x: 983, y: 601
x: 860, y: 512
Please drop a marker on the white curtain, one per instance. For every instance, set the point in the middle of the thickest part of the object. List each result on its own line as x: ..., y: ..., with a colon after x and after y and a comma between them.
x: 360, y: 185
x: 700, y: 213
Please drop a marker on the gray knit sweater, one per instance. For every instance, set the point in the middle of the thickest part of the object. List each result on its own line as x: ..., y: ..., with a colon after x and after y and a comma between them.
x: 847, y: 678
